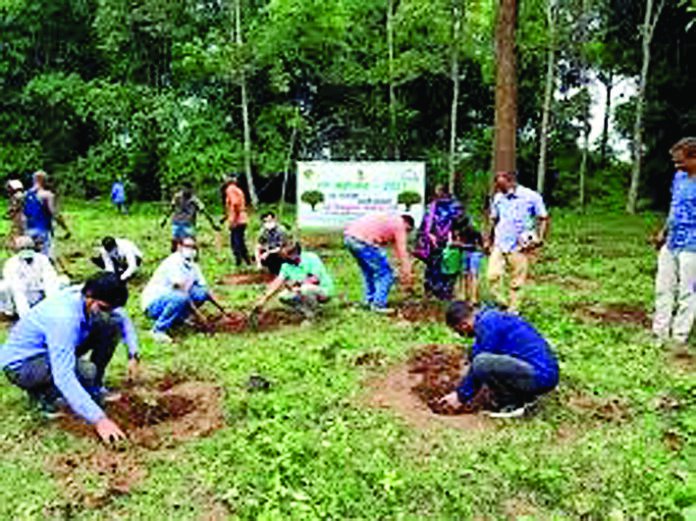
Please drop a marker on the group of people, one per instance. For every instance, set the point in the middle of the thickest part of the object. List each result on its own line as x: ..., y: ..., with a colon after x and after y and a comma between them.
x: 65, y: 338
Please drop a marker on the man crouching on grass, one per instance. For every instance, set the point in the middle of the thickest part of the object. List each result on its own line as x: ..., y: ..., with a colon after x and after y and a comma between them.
x: 511, y: 364
x: 43, y: 352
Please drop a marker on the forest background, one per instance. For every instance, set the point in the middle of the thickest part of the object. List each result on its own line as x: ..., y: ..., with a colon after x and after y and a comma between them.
x: 158, y: 91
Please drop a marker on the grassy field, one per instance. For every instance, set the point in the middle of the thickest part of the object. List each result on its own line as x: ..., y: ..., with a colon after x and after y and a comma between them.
x: 614, y: 442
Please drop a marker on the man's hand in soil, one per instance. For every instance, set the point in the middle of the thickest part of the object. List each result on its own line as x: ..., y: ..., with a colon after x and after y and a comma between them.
x: 108, y: 431
x: 449, y: 403
x: 133, y: 367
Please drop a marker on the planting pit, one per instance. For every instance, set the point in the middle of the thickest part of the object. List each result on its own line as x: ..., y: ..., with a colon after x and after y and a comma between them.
x: 421, y: 311
x: 610, y: 313
x: 610, y: 410
x: 432, y: 371
x: 241, y: 279
x: 160, y: 413
x: 240, y: 322
x: 155, y: 415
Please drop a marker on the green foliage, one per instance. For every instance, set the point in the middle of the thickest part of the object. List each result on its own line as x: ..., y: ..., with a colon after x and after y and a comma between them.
x: 312, y: 198
x: 409, y: 199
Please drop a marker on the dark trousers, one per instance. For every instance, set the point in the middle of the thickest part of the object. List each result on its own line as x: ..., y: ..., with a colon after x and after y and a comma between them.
x: 34, y: 374
x: 238, y: 244
x: 120, y: 268
x: 511, y: 381
x: 273, y: 263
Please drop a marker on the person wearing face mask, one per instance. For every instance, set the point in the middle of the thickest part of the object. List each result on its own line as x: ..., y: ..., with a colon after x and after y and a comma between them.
x: 174, y: 289
x: 511, y: 364
x: 120, y: 256
x: 272, y: 238
x: 28, y: 278
x: 46, y: 351
x: 304, y: 279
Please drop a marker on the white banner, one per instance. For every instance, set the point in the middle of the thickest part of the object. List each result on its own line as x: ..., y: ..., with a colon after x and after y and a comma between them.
x: 331, y: 193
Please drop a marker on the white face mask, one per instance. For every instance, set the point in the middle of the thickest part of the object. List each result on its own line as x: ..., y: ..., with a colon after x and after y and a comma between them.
x: 269, y: 225
x: 187, y: 253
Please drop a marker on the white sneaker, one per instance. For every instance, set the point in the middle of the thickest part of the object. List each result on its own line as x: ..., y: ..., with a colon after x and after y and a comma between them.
x: 160, y: 337
x: 509, y: 411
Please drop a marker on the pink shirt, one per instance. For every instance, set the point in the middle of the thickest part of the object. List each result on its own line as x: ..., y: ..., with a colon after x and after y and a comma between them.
x: 383, y: 229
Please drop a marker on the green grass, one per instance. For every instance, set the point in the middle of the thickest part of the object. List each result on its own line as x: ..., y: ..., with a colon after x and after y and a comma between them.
x: 307, y: 449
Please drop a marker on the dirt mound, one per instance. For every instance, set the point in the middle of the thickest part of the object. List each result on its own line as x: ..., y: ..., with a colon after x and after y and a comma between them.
x: 421, y: 311
x: 240, y: 279
x: 441, y: 369
x: 432, y: 371
x: 239, y: 322
x: 610, y: 313
x: 160, y: 413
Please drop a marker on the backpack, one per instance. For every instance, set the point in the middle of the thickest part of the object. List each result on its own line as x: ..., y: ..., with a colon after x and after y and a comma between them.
x: 36, y: 212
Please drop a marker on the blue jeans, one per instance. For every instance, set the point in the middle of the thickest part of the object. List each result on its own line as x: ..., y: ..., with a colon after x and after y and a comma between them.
x: 471, y: 262
x: 181, y: 229
x: 375, y: 268
x: 173, y: 307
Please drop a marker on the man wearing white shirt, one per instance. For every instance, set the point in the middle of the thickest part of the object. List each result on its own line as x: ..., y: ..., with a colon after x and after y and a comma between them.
x: 176, y: 286
x: 119, y: 256
x: 28, y: 278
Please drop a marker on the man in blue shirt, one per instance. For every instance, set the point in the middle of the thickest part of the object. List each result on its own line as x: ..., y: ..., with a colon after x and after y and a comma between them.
x: 519, y: 225
x: 511, y: 363
x: 676, y: 263
x: 43, y: 351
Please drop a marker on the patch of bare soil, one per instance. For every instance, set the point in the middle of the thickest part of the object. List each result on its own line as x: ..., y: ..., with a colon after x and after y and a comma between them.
x: 520, y: 507
x: 154, y: 415
x: 91, y: 480
x: 421, y: 311
x: 610, y: 410
x: 161, y: 413
x: 239, y: 322
x: 240, y: 279
x: 683, y: 360
x: 407, y: 388
x: 610, y: 313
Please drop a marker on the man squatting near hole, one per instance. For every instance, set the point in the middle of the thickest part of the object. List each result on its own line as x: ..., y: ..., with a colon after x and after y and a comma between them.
x: 44, y: 353
x: 511, y: 364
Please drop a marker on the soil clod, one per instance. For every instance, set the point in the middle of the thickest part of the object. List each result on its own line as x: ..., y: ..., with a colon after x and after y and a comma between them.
x: 239, y: 322
x: 422, y: 311
x: 241, y: 279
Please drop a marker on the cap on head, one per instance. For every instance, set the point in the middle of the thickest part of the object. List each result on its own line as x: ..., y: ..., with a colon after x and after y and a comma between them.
x: 108, y: 288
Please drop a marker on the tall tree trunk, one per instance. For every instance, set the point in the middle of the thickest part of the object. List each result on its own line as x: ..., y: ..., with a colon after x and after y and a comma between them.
x: 648, y: 29
x: 604, y: 146
x: 586, y: 126
x: 505, y: 140
x: 392, y: 95
x: 245, y: 108
x: 548, y: 95
x: 457, y: 12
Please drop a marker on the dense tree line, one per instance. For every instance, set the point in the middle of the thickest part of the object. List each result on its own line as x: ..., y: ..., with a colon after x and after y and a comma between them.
x: 158, y: 91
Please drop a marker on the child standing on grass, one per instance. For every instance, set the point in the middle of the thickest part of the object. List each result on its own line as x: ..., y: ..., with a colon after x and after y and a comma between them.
x: 470, y: 241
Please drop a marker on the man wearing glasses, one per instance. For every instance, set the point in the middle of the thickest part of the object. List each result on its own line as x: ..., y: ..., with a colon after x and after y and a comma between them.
x: 44, y: 353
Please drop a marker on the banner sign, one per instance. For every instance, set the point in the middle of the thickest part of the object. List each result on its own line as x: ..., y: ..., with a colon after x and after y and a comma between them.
x: 331, y: 193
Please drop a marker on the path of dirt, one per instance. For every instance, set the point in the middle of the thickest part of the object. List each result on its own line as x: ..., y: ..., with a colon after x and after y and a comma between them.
x: 610, y: 313
x: 407, y: 388
x: 155, y: 416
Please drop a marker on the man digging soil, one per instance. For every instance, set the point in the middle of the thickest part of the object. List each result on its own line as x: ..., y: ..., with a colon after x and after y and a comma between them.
x: 44, y: 351
x: 511, y: 363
